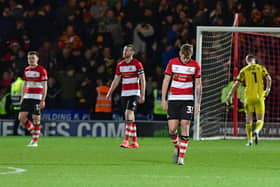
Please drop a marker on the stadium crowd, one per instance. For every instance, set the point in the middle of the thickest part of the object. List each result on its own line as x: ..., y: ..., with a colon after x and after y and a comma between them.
x: 80, y: 41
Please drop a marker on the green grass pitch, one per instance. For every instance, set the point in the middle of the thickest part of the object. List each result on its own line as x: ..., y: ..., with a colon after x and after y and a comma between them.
x: 65, y: 161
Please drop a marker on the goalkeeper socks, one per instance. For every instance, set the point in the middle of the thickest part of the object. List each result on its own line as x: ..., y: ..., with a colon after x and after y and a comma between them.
x: 259, y: 126
x: 36, y: 132
x: 175, y: 140
x: 133, y: 133
x: 29, y: 126
x: 183, y: 146
x: 249, y: 131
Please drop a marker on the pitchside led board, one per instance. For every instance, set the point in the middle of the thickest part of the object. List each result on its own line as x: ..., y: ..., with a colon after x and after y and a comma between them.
x: 89, y: 128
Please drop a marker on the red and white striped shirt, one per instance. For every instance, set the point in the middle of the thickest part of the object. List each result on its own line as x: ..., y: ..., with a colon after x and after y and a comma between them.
x: 182, y: 78
x: 130, y: 76
x: 34, y: 78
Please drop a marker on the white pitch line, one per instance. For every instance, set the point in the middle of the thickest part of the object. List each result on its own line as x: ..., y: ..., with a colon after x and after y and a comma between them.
x: 13, y: 170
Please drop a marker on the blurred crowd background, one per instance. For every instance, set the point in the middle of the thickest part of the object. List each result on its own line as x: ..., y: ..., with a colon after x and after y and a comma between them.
x: 80, y: 41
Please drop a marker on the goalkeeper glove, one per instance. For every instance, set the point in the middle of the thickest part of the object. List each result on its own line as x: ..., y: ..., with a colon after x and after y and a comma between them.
x: 229, y: 100
x: 266, y: 92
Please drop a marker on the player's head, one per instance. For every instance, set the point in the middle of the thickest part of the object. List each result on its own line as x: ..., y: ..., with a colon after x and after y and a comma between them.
x: 33, y: 58
x: 128, y: 51
x: 186, y: 52
x: 251, y: 59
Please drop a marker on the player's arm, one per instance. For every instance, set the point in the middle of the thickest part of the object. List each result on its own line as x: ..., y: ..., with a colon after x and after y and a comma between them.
x: 268, y: 85
x: 142, y: 88
x: 164, y: 89
x: 45, y: 90
x: 233, y: 90
x: 113, y: 86
x: 198, y: 92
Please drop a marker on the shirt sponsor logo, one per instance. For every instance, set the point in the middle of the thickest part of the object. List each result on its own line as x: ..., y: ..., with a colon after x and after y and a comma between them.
x: 131, y: 68
x: 183, y: 69
x: 32, y: 74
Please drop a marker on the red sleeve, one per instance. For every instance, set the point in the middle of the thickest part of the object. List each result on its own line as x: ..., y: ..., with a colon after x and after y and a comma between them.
x: 44, y: 75
x: 140, y: 68
x: 24, y: 77
x: 197, y: 71
x: 168, y: 69
x: 118, y: 72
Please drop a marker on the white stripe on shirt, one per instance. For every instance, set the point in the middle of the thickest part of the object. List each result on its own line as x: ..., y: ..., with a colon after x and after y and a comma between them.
x: 130, y: 80
x: 177, y: 84
x: 180, y: 97
x: 131, y: 68
x: 130, y: 92
x: 183, y: 69
x: 31, y: 84
x: 32, y: 96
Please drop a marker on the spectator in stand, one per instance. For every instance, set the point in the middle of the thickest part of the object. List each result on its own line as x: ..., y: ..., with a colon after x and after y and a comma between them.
x: 69, y: 81
x: 48, y: 55
x: 19, y: 63
x: 70, y: 39
x: 143, y: 33
x: 54, y: 91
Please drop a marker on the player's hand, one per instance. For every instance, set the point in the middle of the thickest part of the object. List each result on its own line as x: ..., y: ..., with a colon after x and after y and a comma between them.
x: 266, y: 92
x: 164, y: 105
x: 229, y: 100
x: 141, y: 99
x: 108, y: 96
x: 42, y: 104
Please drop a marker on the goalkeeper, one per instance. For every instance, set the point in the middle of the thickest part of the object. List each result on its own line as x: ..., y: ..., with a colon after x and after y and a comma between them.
x: 252, y: 76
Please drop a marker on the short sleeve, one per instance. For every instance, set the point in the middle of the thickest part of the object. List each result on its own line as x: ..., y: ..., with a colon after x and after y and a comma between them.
x: 240, y: 76
x: 265, y: 72
x: 168, y: 69
x: 24, y: 77
x: 140, y: 68
x: 197, y: 71
x: 44, y: 74
x: 118, y: 72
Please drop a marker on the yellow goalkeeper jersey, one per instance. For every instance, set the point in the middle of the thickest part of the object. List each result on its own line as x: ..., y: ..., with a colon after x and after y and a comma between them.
x: 252, y: 76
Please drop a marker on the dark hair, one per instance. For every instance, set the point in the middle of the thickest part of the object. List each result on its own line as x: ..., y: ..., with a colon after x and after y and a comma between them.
x: 33, y: 53
x: 250, y: 57
x: 131, y: 46
x: 187, y: 50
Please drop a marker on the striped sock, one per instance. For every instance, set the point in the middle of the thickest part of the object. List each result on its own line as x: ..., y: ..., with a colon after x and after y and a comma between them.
x: 134, y: 133
x: 36, y: 132
x: 127, y: 132
x: 183, y: 146
x: 29, y: 126
x: 175, y: 140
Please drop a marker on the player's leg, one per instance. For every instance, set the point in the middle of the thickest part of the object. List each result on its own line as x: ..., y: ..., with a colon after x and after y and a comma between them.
x: 173, y: 123
x: 184, y: 141
x: 36, y: 131
x: 36, y: 117
x: 186, y: 113
x: 249, y: 128
x: 173, y: 126
x: 127, y: 128
x: 26, y: 107
x: 131, y: 108
x: 23, y: 119
x: 132, y: 129
x: 249, y: 111
x: 260, y: 110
